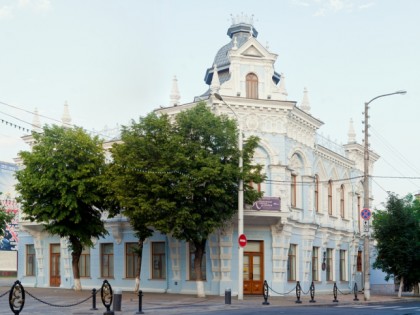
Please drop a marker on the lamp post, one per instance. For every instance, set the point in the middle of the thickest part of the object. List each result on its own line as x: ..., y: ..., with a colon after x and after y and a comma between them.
x: 366, y: 202
x: 240, y: 203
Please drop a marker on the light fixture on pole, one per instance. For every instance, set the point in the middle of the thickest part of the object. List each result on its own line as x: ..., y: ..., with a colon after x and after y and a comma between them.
x: 366, y: 203
x: 240, y: 203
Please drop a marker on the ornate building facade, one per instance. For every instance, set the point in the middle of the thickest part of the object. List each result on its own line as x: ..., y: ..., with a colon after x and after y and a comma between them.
x: 306, y: 228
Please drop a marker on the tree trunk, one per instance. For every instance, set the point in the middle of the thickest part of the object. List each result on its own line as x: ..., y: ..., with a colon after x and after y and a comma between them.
x: 401, y: 286
x: 198, y: 258
x: 75, y: 255
x: 138, y: 270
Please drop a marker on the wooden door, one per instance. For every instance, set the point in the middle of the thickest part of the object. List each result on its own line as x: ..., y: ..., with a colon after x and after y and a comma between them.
x: 55, y: 278
x: 253, y: 267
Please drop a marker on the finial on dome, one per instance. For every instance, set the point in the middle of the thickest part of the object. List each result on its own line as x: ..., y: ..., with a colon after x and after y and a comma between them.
x: 305, y: 106
x: 66, y: 119
x: 174, y: 97
x: 282, y: 87
x: 215, y: 82
x: 36, y: 123
x: 351, y: 134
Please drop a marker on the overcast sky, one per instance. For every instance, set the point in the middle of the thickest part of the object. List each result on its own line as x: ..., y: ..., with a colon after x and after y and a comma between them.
x: 114, y: 61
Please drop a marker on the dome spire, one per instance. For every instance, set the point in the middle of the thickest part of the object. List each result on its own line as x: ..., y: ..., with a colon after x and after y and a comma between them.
x: 66, y: 119
x: 215, y: 82
x: 36, y: 123
x: 305, y: 106
x: 351, y: 134
x: 174, y: 97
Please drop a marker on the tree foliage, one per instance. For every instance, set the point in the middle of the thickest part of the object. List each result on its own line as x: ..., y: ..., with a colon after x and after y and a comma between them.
x: 181, y: 176
x: 60, y: 186
x: 397, y: 233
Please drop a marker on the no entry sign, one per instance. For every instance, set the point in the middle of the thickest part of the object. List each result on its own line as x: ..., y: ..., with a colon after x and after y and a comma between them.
x: 242, y: 240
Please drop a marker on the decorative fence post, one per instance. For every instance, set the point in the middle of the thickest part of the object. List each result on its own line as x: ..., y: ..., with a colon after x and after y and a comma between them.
x: 265, y: 293
x: 312, y: 291
x: 298, y: 292
x: 93, y: 300
x: 140, y: 302
x: 17, y: 297
x: 355, y: 289
x: 106, y: 296
x: 335, y: 289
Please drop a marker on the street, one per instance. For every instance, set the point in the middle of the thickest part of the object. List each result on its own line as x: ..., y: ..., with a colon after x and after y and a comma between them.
x: 406, y: 308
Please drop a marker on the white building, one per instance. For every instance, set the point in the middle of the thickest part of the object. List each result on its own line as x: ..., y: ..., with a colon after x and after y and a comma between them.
x: 312, y: 234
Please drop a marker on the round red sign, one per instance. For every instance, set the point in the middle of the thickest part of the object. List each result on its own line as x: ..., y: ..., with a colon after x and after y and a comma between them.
x: 242, y: 240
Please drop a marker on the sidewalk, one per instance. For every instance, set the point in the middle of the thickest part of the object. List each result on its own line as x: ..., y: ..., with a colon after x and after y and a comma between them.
x: 167, y: 304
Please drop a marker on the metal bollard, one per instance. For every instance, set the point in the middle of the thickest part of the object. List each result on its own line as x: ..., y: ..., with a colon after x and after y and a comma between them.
x: 140, y: 302
x: 298, y: 292
x: 265, y: 293
x: 116, y: 306
x: 335, y: 289
x: 93, y: 300
x: 228, y: 296
x: 312, y: 290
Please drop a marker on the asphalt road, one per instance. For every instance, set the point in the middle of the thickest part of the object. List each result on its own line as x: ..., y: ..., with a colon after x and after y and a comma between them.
x: 408, y: 308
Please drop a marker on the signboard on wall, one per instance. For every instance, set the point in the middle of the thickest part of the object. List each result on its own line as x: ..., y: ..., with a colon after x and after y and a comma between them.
x: 7, y: 199
x: 267, y: 203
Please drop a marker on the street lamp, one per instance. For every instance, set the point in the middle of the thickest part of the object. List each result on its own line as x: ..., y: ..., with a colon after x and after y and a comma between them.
x: 366, y: 195
x: 240, y: 203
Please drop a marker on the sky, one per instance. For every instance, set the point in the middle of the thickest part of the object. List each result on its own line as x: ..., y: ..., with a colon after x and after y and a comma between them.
x: 114, y: 61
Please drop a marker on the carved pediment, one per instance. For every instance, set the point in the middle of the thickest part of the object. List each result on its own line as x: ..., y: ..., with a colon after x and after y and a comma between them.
x: 253, y: 51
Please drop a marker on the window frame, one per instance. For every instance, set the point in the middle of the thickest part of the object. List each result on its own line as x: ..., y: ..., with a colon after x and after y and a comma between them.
x: 315, y: 263
x: 30, y: 263
x: 292, y: 263
x: 191, y: 255
x: 342, y: 201
x: 316, y: 193
x: 84, y: 258
x: 330, y: 197
x: 110, y: 261
x: 131, y: 260
x: 161, y: 261
x: 251, y: 80
x: 330, y: 264
x: 343, y: 263
x: 293, y: 190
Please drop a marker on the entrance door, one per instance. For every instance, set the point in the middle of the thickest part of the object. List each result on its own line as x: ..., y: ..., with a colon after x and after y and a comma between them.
x: 253, y: 267
x: 55, y: 279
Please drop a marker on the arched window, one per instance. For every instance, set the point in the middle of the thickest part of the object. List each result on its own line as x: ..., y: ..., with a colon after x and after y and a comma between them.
x: 316, y: 193
x: 342, y: 201
x: 330, y: 197
x: 251, y: 86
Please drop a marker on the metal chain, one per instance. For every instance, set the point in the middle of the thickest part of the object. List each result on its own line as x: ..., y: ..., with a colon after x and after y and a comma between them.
x: 307, y: 292
x: 281, y: 293
x: 1, y: 295
x: 57, y: 305
x: 343, y: 292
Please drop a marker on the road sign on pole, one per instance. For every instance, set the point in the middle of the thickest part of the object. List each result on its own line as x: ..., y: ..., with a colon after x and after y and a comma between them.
x: 366, y: 214
x: 242, y: 240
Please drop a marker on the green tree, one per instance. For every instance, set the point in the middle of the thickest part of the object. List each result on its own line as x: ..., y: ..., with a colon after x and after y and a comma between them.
x: 60, y: 187
x: 181, y: 177
x: 397, y: 233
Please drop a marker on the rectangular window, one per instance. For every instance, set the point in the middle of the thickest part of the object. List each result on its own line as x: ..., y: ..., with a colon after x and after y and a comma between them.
x: 343, y: 273
x: 158, y: 260
x: 191, y: 263
x: 131, y: 259
x: 359, y: 208
x: 107, y: 260
x: 291, y: 263
x: 330, y: 197
x: 315, y: 264
x: 316, y: 193
x: 84, y: 263
x: 342, y: 202
x: 30, y: 260
x: 329, y: 261
x: 293, y: 190
x: 359, y: 261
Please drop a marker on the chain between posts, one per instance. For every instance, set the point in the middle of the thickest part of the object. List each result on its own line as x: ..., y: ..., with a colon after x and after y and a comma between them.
x: 57, y: 305
x: 4, y: 294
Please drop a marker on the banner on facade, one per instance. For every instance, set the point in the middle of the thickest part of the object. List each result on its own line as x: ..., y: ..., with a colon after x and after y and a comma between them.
x: 267, y: 203
x: 8, y: 203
